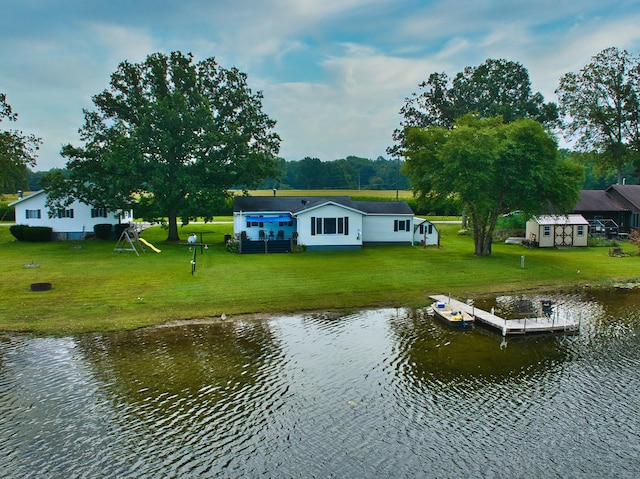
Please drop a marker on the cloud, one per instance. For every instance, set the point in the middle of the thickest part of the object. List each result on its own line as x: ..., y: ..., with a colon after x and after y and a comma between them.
x: 358, y: 105
x: 334, y: 72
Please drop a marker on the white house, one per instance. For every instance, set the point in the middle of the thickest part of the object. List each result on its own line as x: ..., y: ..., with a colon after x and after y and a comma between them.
x: 328, y: 222
x: 558, y: 230
x: 425, y: 232
x: 74, y: 222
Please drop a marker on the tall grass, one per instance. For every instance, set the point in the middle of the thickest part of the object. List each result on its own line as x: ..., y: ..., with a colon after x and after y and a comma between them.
x: 97, y: 289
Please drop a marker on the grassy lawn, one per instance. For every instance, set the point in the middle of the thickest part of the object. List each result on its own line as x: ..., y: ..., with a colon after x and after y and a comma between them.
x: 95, y: 289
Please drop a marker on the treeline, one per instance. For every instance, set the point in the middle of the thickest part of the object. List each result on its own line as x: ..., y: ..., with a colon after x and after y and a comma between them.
x: 352, y: 173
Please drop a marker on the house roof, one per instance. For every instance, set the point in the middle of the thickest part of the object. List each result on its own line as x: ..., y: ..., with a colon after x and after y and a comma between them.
x: 620, y: 198
x: 25, y: 198
x: 629, y: 193
x: 560, y: 220
x: 297, y: 204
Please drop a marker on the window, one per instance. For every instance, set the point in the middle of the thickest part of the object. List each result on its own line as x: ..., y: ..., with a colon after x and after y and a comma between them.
x: 33, y: 214
x: 65, y: 213
x: 100, y: 212
x: 580, y: 230
x: 547, y: 230
x: 428, y: 228
x: 329, y: 226
x: 402, y: 225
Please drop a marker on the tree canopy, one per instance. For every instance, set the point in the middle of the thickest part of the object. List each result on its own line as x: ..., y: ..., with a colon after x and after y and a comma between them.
x: 174, y: 133
x: 600, y: 106
x: 493, y: 168
x: 17, y: 150
x: 496, y: 87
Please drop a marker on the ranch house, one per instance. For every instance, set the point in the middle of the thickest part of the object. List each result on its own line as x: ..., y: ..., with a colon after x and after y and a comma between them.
x: 611, y: 212
x: 76, y: 221
x: 276, y: 224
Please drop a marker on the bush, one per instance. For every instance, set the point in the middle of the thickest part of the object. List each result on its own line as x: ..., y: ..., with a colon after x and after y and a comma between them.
x: 31, y: 233
x: 103, y: 230
x: 39, y: 233
x: 18, y: 232
x: 120, y: 227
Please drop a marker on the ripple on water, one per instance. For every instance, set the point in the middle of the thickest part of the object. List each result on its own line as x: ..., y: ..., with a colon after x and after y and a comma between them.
x: 386, y: 393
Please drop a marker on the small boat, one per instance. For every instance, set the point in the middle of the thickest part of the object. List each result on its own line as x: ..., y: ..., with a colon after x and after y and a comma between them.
x: 454, y: 317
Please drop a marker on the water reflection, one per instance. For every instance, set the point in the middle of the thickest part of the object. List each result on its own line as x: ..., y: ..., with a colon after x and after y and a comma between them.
x: 384, y: 393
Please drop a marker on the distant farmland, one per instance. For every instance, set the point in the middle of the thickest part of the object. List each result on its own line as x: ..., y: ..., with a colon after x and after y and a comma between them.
x: 387, y: 194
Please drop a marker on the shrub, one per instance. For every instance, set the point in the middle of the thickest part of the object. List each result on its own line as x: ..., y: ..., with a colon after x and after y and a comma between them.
x: 31, y: 233
x: 103, y: 230
x: 18, y: 232
x: 120, y: 227
x: 39, y: 233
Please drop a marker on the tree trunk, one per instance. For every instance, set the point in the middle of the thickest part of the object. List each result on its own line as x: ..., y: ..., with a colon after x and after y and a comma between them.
x: 173, y: 226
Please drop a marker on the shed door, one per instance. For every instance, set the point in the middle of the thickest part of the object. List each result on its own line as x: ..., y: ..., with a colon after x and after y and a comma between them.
x: 563, y: 235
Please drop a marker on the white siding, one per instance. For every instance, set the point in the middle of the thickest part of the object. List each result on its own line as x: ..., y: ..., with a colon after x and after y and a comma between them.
x: 382, y: 229
x: 82, y: 222
x: 429, y: 238
x: 352, y: 239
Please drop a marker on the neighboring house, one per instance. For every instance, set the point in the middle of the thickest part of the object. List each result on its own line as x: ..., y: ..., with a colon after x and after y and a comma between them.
x: 74, y: 222
x: 327, y: 222
x: 425, y: 232
x: 549, y: 231
x: 611, y: 211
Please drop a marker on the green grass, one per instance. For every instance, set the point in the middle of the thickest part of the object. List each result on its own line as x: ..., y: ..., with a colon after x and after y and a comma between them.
x: 95, y: 289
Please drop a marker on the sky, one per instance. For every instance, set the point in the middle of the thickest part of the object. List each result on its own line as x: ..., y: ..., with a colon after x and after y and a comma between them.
x: 334, y: 73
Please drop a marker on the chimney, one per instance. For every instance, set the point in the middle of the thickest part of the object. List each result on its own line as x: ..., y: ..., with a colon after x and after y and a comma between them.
x: 19, y: 194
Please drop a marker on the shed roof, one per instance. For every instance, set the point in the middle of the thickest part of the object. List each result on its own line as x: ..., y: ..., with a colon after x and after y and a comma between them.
x: 561, y: 220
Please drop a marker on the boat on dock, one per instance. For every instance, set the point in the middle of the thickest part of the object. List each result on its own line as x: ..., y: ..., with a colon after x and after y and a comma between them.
x: 553, y: 320
x: 453, y: 316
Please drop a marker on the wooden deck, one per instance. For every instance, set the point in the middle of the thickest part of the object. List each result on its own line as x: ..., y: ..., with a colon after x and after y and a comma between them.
x: 507, y: 327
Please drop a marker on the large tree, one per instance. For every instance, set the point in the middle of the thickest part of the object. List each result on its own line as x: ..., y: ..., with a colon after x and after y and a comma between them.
x: 496, y: 87
x: 493, y: 168
x: 600, y: 107
x: 17, y: 150
x: 174, y: 133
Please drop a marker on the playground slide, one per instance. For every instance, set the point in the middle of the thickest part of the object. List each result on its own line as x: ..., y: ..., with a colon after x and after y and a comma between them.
x: 144, y: 241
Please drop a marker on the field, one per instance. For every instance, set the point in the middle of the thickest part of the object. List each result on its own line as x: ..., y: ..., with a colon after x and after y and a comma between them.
x: 384, y: 194
x: 97, y: 289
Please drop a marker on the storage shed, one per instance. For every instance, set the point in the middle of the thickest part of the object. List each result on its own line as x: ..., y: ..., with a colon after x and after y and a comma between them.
x: 558, y: 231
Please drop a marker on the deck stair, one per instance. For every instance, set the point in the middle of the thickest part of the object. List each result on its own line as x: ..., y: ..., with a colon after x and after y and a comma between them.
x: 555, y: 322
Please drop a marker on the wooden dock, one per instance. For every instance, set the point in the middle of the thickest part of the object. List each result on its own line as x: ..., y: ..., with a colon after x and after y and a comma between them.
x: 554, y: 323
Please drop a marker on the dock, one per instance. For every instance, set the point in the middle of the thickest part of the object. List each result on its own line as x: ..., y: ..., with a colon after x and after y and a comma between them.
x: 555, y: 322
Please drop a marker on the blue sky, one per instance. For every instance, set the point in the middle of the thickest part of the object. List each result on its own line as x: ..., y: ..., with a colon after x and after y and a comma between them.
x: 334, y: 73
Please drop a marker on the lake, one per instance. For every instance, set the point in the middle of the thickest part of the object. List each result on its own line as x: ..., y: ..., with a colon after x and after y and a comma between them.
x: 386, y: 393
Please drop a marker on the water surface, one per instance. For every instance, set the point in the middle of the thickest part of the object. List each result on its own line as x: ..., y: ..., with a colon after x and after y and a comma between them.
x: 384, y: 393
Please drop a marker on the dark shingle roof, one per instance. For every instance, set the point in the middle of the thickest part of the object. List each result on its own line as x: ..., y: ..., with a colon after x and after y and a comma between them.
x: 630, y: 193
x: 597, y: 200
x: 295, y: 204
